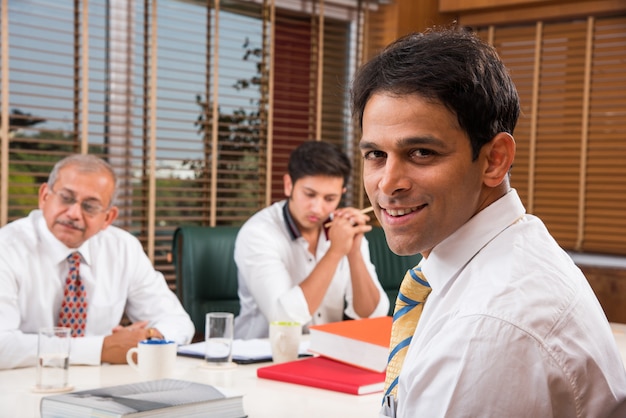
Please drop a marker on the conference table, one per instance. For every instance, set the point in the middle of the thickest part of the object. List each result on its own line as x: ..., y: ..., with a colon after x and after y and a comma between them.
x: 262, y: 397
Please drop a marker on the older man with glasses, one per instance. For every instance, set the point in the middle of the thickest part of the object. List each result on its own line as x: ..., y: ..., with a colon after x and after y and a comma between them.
x: 66, y: 265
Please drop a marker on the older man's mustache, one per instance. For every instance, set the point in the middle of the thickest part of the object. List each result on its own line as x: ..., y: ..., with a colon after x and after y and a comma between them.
x: 71, y: 224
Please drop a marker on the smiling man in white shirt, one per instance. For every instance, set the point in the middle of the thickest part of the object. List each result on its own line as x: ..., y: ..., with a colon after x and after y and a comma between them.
x: 75, y: 214
x: 511, y: 327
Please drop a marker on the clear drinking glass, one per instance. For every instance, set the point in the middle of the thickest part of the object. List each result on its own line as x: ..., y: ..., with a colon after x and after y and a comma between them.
x: 53, y: 359
x: 219, y: 338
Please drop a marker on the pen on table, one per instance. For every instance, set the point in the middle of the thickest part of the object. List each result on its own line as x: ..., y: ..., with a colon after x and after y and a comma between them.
x: 363, y: 211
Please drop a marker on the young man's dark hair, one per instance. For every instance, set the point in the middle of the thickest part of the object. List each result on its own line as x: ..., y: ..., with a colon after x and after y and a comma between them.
x: 318, y: 158
x: 466, y: 76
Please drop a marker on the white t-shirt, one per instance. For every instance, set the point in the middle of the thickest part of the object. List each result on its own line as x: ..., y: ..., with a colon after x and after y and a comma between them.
x: 511, y: 328
x: 118, y: 277
x: 272, y: 259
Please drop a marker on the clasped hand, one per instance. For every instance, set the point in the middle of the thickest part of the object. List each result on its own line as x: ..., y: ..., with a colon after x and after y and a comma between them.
x: 347, y: 228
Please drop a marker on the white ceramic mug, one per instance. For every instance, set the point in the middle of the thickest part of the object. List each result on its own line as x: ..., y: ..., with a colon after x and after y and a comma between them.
x: 285, y: 340
x: 156, y: 359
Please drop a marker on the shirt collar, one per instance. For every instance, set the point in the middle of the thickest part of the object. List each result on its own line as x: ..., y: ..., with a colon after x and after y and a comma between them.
x: 290, y: 223
x: 294, y: 232
x: 449, y: 256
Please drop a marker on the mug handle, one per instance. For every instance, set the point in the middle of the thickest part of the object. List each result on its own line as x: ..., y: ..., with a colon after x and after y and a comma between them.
x: 282, y: 337
x: 129, y: 358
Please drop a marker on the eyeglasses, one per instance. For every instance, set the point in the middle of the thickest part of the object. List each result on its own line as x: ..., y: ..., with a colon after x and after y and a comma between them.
x: 88, y: 207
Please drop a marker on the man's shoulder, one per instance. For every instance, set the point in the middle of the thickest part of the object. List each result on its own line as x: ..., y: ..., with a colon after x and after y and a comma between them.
x: 525, y: 268
x: 115, y: 236
x: 265, y: 228
x: 268, y: 219
x: 19, y: 230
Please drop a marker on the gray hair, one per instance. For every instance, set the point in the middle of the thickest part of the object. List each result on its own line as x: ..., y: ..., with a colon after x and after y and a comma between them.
x: 85, y: 163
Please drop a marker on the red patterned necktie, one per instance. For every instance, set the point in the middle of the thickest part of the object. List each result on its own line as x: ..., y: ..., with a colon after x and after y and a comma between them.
x: 73, y: 312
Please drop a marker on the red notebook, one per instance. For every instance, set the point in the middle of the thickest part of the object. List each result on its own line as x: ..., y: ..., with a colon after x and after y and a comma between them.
x: 324, y: 373
x: 359, y: 342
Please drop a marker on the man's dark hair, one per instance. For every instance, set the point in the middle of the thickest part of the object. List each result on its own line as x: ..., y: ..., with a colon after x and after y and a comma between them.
x: 317, y: 158
x: 450, y: 66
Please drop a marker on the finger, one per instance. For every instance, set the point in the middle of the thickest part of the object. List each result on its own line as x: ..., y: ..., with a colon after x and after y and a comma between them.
x: 362, y: 229
x: 140, y: 324
x: 358, y: 219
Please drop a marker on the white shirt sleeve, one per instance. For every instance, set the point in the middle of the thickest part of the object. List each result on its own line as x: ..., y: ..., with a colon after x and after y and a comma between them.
x: 383, y: 302
x: 125, y: 281
x: 149, y: 298
x: 260, y: 262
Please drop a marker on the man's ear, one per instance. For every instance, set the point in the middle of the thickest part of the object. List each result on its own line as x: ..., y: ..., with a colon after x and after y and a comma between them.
x: 499, y: 153
x: 43, y: 194
x: 110, y: 216
x: 288, y: 185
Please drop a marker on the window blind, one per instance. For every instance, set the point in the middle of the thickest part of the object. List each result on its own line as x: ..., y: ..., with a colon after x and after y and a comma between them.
x: 571, y: 141
x: 196, y: 104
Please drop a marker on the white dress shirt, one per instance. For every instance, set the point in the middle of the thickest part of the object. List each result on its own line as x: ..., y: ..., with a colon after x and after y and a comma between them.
x: 118, y: 277
x: 272, y: 260
x: 511, y: 328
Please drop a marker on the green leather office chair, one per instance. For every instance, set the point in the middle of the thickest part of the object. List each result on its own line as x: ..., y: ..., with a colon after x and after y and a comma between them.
x: 206, y: 274
x: 390, y: 267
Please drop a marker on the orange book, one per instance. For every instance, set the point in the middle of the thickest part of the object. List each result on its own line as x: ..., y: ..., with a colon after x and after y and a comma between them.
x: 323, y: 373
x: 360, y: 342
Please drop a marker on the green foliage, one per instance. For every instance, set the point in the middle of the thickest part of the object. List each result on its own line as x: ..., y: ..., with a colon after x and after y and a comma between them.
x: 239, y: 138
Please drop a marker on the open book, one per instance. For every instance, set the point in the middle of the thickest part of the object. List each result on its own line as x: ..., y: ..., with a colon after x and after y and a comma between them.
x: 156, y: 398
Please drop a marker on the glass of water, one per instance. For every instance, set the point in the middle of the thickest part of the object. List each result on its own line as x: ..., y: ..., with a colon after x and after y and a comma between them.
x: 53, y: 359
x: 218, y: 338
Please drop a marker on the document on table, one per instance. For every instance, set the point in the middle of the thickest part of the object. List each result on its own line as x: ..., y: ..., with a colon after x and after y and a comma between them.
x: 244, y: 351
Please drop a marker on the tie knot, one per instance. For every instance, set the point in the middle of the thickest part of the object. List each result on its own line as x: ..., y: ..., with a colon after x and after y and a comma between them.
x: 74, y: 258
x: 414, y: 288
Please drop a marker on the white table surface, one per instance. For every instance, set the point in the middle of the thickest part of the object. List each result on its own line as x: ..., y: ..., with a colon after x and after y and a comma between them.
x: 262, y: 397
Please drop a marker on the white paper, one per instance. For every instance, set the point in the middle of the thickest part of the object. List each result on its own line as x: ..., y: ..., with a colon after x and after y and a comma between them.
x: 243, y: 350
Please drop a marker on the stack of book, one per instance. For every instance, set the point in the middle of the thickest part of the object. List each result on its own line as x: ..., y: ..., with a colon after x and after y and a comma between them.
x: 351, y: 357
x: 361, y: 342
x: 156, y: 398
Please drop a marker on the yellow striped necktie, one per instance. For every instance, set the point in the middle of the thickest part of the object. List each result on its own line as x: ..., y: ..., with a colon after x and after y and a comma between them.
x: 409, y: 305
